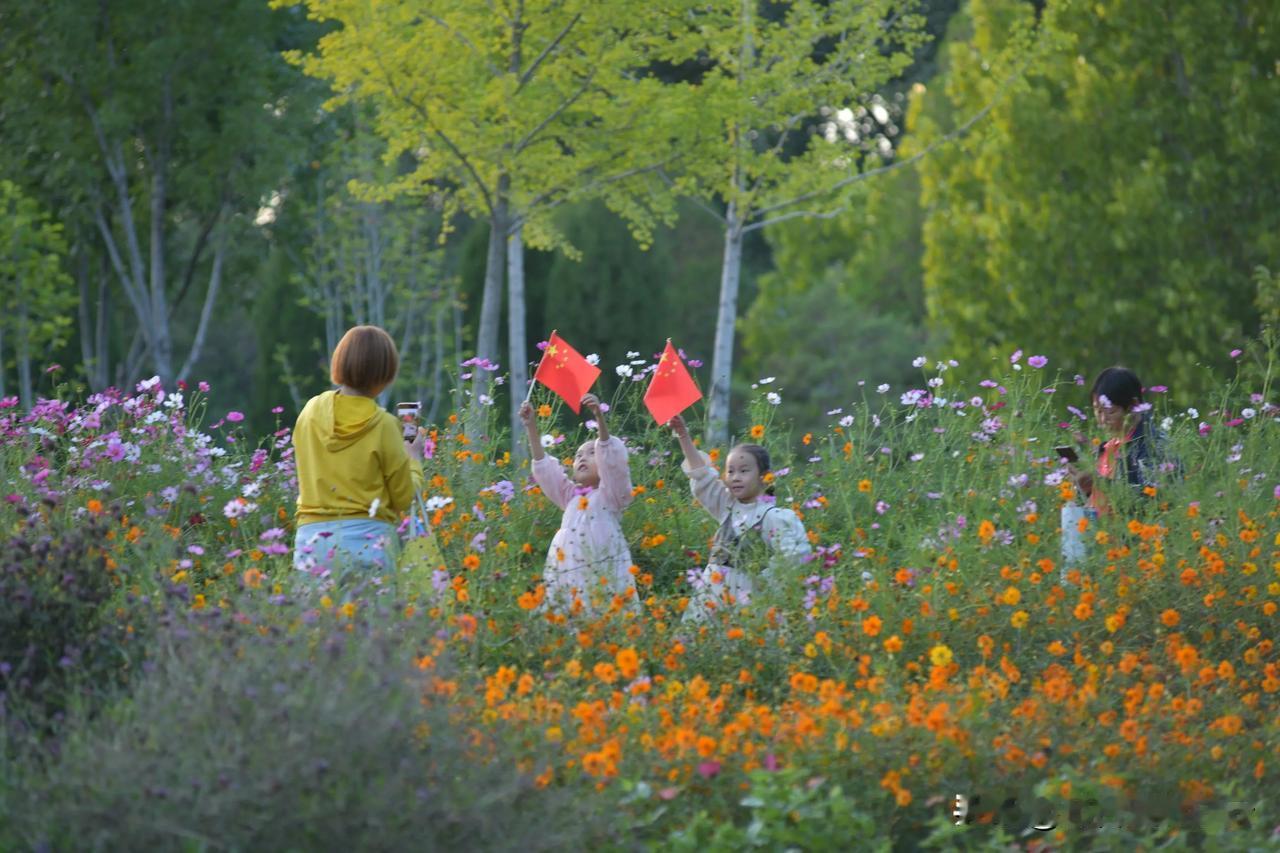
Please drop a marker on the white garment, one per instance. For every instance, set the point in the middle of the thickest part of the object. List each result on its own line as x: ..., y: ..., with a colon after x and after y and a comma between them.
x: 589, y: 558
x: 780, y: 528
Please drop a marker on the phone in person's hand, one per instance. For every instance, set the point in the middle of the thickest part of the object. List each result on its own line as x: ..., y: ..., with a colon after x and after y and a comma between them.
x: 408, y: 415
x: 1067, y: 452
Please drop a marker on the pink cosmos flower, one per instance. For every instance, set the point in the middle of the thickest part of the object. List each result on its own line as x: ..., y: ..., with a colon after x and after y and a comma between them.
x: 1037, y: 361
x: 1235, y: 353
x: 235, y: 417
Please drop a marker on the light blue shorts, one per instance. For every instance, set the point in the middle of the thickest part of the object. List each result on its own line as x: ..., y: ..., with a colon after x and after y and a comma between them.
x: 331, y: 549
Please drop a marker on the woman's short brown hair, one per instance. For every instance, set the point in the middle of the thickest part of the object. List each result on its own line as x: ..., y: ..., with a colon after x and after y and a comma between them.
x: 365, y: 359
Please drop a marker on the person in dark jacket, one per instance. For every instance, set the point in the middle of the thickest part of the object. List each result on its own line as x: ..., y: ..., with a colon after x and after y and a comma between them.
x: 1134, y: 451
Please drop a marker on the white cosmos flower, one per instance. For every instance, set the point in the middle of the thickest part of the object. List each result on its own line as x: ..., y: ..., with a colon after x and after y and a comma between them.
x: 593, y: 358
x: 773, y: 398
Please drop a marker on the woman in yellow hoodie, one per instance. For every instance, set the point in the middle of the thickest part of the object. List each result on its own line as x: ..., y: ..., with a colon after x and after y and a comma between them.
x: 356, y: 473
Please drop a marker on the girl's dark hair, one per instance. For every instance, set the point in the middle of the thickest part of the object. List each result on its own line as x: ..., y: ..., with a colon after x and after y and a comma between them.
x: 761, y: 456
x: 1120, y: 385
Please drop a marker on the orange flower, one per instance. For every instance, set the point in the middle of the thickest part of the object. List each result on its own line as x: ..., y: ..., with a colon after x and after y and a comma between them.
x: 628, y: 663
x: 893, y: 645
x: 471, y: 562
x: 1083, y: 611
x: 94, y: 506
x: 544, y: 411
x: 986, y: 530
x: 871, y: 626
x: 757, y: 432
x: 605, y: 672
x: 864, y: 486
x: 1170, y: 617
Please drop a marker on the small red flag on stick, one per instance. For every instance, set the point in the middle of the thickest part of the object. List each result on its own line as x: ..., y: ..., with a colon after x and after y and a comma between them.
x: 672, y: 389
x: 566, y: 372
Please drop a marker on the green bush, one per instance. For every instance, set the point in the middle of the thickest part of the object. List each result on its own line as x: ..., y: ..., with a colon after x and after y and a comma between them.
x: 286, y: 730
x: 57, y: 623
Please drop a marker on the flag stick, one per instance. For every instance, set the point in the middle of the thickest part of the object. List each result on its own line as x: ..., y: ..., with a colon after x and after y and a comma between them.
x: 529, y: 393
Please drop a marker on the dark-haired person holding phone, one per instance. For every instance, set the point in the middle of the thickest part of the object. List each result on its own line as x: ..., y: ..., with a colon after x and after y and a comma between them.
x: 1133, y: 450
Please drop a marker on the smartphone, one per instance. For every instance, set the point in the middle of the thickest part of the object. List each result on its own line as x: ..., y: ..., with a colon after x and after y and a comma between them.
x: 1067, y: 452
x: 408, y: 415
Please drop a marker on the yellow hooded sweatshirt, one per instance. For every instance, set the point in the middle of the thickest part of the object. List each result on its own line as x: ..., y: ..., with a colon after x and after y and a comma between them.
x: 352, y: 457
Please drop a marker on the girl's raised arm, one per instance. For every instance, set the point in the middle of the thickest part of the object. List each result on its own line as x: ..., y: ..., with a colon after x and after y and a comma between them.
x: 547, y: 471
x: 612, y: 461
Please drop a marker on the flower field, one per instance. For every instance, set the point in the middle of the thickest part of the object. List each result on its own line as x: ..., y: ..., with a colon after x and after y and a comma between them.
x: 167, y: 678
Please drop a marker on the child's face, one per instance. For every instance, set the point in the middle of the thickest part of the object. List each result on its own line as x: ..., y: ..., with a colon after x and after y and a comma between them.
x: 585, y: 472
x: 743, y: 477
x: 1110, y: 417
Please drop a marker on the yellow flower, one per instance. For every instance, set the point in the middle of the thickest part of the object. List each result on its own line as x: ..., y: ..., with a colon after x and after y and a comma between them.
x: 1019, y: 619
x: 1011, y: 596
x: 940, y: 655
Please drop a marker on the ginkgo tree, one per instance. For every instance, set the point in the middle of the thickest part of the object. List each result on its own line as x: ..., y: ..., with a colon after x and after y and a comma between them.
x: 511, y: 107
x: 760, y: 155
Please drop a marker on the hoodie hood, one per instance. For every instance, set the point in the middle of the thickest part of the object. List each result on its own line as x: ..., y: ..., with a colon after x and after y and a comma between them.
x: 340, y: 420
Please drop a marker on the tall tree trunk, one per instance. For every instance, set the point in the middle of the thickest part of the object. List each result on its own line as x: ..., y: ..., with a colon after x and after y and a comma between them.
x: 490, y: 307
x: 101, y: 364
x: 88, y: 328
x: 26, y: 390
x: 516, y: 344
x: 162, y: 346
x: 210, y: 299
x: 726, y: 319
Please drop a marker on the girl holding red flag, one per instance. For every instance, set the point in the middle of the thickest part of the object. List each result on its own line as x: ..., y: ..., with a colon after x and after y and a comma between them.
x: 588, y: 563
x: 742, y: 503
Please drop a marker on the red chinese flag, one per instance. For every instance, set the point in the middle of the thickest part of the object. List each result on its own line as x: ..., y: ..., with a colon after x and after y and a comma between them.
x: 566, y: 372
x: 671, y: 390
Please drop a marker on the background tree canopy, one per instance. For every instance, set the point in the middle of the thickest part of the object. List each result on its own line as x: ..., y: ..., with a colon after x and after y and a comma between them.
x: 1096, y: 182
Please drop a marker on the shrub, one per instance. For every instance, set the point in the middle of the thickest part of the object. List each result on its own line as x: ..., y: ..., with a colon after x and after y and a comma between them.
x: 252, y: 730
x: 56, y: 623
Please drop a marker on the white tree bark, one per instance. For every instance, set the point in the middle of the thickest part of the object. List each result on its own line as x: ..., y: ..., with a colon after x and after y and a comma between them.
x: 26, y: 390
x: 726, y: 324
x: 517, y: 346
x: 210, y: 299
x: 490, y: 307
